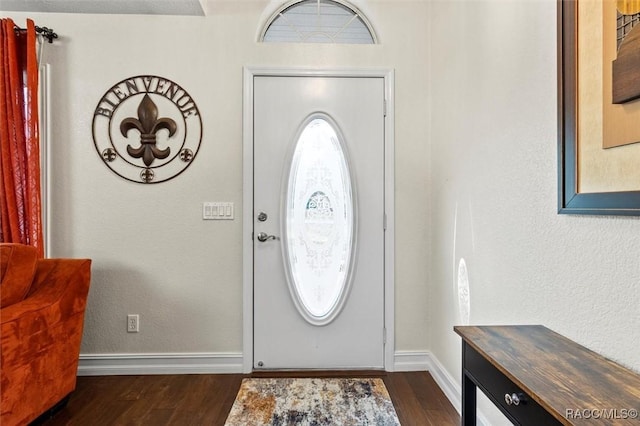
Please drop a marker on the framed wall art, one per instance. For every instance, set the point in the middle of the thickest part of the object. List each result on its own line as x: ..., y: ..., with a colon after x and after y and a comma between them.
x: 599, y: 107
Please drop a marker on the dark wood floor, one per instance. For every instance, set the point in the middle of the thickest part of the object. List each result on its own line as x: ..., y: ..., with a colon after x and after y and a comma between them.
x: 207, y: 399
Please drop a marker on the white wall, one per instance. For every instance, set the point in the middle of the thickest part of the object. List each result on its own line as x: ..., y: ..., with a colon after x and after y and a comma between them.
x: 488, y: 153
x: 153, y: 254
x: 493, y: 140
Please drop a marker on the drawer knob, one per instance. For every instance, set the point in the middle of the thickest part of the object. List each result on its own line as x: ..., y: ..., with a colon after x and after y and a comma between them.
x: 507, y: 399
x: 513, y: 399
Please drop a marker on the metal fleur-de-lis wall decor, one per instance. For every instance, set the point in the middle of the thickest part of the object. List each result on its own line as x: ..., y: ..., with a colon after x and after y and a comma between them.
x: 147, y: 129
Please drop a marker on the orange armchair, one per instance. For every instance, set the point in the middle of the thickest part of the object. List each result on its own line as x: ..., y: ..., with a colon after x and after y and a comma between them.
x: 42, y: 304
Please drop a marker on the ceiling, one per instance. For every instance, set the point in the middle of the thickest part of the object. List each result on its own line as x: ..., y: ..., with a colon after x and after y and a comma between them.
x: 143, y: 7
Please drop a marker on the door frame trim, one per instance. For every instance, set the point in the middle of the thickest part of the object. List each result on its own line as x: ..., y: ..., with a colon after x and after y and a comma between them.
x: 249, y: 73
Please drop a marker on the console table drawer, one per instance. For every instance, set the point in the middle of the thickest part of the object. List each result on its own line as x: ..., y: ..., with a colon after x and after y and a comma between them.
x: 496, y: 385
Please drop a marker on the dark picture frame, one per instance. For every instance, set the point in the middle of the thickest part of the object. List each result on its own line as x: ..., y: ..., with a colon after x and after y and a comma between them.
x: 570, y: 201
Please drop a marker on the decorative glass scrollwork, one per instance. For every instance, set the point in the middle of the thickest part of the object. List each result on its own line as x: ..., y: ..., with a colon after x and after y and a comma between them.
x: 319, y: 221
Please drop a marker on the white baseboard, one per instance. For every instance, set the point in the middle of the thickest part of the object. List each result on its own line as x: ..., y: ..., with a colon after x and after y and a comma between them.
x: 203, y: 363
x: 411, y: 361
x: 426, y: 361
x: 451, y: 387
x: 169, y: 363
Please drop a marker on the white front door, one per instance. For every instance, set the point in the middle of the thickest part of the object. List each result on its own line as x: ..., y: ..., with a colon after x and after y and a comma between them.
x: 318, y: 222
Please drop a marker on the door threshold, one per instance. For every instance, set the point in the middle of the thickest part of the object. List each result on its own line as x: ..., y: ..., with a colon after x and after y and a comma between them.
x: 317, y: 373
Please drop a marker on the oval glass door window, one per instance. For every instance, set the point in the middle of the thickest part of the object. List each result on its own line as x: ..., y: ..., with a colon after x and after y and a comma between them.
x: 319, y: 221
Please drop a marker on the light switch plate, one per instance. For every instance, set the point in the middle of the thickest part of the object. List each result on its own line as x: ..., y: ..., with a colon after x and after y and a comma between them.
x: 217, y: 210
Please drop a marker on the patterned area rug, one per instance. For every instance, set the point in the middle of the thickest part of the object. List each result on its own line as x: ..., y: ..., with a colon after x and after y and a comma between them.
x: 312, y: 402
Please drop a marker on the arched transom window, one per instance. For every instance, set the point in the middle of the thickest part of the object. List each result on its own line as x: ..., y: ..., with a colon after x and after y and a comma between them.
x: 318, y: 21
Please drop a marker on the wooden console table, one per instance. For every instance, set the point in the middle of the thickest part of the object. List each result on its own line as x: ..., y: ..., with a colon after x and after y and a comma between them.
x: 538, y: 377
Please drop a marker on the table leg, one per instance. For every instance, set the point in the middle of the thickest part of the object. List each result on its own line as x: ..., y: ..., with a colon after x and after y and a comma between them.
x: 468, y: 401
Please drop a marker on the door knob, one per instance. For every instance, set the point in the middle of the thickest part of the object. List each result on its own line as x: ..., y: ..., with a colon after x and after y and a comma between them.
x: 262, y: 237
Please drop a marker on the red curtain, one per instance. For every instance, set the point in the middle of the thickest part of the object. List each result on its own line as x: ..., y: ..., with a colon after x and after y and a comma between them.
x: 20, y: 198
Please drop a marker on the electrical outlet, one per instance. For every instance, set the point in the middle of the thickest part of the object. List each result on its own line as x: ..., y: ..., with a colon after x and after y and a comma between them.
x: 133, y: 323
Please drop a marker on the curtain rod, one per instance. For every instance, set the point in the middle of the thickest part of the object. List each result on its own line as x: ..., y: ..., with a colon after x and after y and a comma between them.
x: 45, y: 32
